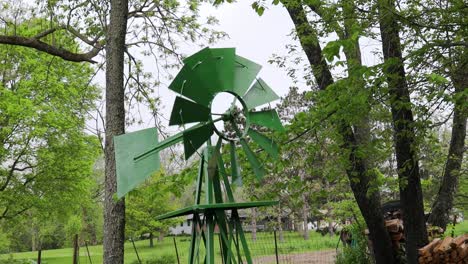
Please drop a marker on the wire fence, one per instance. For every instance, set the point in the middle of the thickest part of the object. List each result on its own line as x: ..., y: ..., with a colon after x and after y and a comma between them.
x: 291, y: 247
x: 274, y: 247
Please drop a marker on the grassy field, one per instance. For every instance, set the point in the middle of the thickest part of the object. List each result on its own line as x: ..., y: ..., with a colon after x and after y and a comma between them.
x: 264, y: 245
x: 459, y: 229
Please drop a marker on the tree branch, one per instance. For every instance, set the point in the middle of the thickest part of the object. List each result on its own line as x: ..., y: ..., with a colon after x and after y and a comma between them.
x: 52, y: 50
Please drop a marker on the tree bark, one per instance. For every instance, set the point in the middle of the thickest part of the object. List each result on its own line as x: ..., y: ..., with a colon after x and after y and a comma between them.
x: 36, y: 43
x: 359, y: 178
x: 114, y: 210
x: 440, y: 215
x: 403, y: 126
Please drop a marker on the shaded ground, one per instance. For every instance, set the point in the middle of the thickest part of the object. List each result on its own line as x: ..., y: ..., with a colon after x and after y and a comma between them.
x: 316, y: 257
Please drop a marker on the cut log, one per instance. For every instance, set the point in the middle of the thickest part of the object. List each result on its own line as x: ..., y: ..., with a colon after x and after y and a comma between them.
x: 421, y: 260
x: 459, y: 240
x: 444, y: 246
x: 394, y: 225
x: 427, y: 249
x: 463, y: 251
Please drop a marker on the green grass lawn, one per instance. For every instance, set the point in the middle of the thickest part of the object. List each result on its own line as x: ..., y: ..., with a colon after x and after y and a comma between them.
x: 264, y: 245
x: 459, y: 229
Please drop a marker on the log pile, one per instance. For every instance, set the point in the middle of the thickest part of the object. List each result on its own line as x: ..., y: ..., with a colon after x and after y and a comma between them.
x: 395, y: 230
x: 447, y: 250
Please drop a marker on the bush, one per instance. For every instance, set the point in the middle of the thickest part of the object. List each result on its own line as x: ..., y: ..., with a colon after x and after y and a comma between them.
x: 10, y: 260
x: 166, y: 259
x: 358, y: 251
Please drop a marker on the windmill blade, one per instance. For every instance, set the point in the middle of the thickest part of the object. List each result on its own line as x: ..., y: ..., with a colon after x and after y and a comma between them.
x: 204, y: 74
x: 266, y: 118
x: 266, y: 143
x: 185, y: 111
x: 129, y: 172
x: 194, y: 138
x: 260, y: 93
x: 245, y: 73
x: 257, y: 167
x: 235, y: 169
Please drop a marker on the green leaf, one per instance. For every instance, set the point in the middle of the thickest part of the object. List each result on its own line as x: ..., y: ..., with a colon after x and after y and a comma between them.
x: 332, y: 50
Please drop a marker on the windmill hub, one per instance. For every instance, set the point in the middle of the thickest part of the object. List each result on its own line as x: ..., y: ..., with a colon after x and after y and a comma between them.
x: 231, y: 109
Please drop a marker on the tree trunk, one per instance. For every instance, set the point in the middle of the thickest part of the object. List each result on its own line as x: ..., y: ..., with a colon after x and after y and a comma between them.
x: 114, y: 211
x: 305, y: 210
x: 151, y: 240
x: 161, y: 236
x: 305, y: 214
x: 403, y: 125
x: 443, y: 205
x: 358, y: 174
x: 254, y: 224
x: 331, y: 232
x: 76, y: 249
x: 280, y: 228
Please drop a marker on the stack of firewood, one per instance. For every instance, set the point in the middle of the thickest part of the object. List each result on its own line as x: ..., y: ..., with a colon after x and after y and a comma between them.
x: 395, y: 229
x: 447, y: 250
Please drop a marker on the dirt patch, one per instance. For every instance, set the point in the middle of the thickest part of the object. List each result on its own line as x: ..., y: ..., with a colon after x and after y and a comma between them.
x: 316, y: 257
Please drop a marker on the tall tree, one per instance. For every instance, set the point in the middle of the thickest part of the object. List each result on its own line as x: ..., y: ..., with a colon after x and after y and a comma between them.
x: 114, y: 210
x: 353, y: 134
x: 441, y: 33
x: 144, y: 204
x: 404, y: 132
x: 45, y: 155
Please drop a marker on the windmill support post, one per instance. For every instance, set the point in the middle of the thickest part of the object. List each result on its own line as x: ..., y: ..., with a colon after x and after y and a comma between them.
x: 176, y: 251
x: 87, y: 250
x: 136, y: 251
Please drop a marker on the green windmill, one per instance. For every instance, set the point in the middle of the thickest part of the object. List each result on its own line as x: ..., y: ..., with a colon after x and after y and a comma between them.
x: 204, y: 75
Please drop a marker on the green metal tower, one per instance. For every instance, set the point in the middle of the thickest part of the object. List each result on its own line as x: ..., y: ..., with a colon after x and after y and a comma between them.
x: 204, y: 75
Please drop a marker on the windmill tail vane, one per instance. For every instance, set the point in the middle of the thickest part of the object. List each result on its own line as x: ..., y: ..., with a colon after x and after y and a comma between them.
x: 204, y: 75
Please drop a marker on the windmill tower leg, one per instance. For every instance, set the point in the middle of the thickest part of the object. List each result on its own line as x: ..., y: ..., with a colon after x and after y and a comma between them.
x: 233, y: 243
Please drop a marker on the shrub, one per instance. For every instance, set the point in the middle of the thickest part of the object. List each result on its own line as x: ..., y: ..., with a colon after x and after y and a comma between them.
x: 10, y: 260
x: 165, y: 259
x: 358, y: 251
